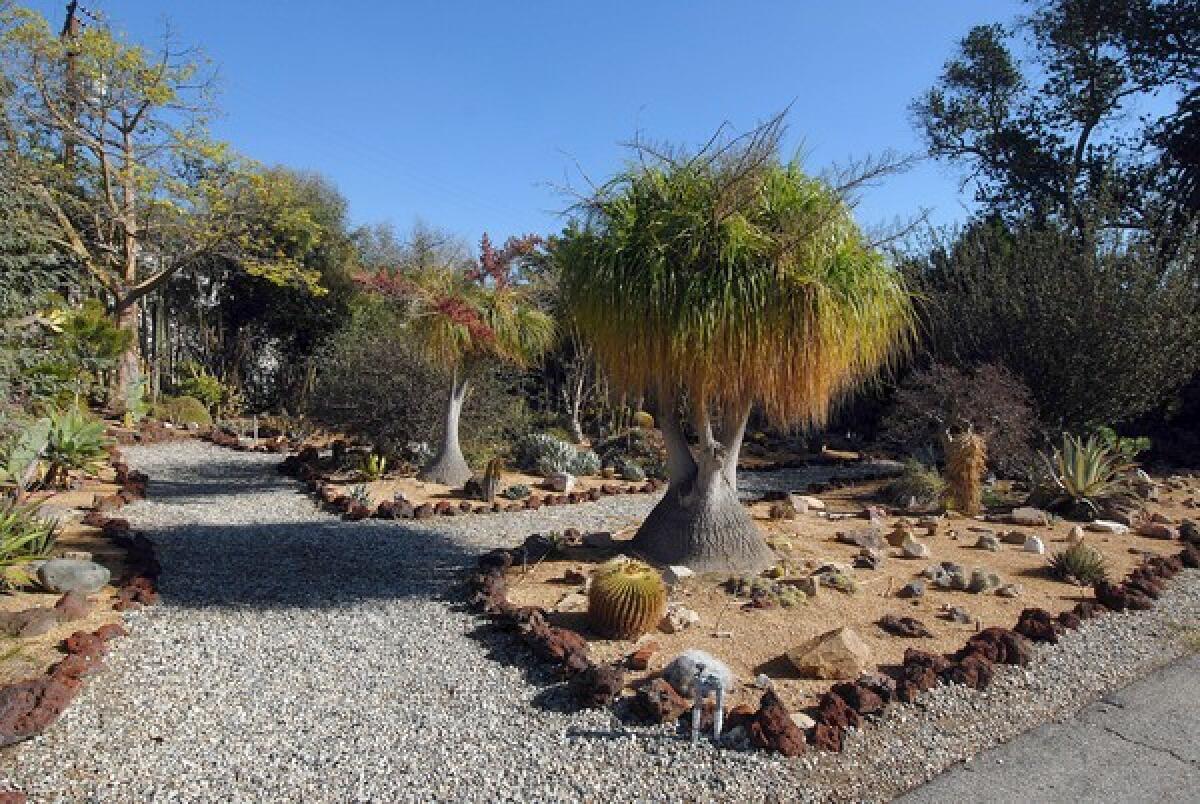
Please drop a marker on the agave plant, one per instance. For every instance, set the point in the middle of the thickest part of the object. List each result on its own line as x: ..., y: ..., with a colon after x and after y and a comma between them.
x: 374, y: 466
x: 75, y: 440
x: 24, y: 537
x: 1084, y: 473
x: 19, y: 464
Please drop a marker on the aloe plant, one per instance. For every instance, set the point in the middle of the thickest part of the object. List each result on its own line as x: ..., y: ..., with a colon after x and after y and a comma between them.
x: 1085, y: 472
x: 24, y: 537
x: 75, y: 440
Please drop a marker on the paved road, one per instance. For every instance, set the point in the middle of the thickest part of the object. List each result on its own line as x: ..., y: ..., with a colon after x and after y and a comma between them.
x: 1139, y: 744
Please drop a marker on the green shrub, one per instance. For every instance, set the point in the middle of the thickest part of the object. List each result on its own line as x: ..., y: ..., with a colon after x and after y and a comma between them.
x: 203, y: 386
x: 75, y: 440
x: 517, y: 491
x: 585, y: 464
x: 645, y: 448
x: 919, y: 483
x: 1079, y: 564
x: 631, y: 471
x: 183, y: 410
x: 24, y: 537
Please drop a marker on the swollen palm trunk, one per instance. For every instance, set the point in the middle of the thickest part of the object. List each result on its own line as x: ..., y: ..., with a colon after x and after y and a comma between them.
x: 700, y: 523
x: 449, y: 467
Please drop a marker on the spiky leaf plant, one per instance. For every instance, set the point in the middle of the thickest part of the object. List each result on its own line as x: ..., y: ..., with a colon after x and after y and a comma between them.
x: 75, y: 440
x: 24, y: 537
x: 966, y: 462
x: 918, y: 483
x: 1080, y: 564
x: 627, y: 599
x: 1084, y: 473
x: 714, y: 281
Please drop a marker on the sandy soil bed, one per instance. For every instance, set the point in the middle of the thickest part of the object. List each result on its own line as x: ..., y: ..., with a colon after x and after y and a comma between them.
x: 21, y: 658
x: 753, y: 640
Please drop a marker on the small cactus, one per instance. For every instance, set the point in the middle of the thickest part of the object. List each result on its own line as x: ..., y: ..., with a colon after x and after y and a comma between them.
x: 491, y: 480
x: 966, y: 461
x: 627, y: 599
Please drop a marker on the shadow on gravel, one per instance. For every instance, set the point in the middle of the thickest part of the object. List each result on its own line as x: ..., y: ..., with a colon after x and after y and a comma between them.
x: 310, y: 564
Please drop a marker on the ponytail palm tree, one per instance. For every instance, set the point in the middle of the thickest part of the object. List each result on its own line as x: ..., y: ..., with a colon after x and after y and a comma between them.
x: 461, y: 318
x: 713, y: 283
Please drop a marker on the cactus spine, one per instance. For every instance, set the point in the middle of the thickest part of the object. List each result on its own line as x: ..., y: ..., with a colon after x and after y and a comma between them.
x: 966, y: 461
x: 627, y: 599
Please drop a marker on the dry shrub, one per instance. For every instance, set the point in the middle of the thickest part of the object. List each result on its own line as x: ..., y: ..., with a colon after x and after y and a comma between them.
x: 966, y: 461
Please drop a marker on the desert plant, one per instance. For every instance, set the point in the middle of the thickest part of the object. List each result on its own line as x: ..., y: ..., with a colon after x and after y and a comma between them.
x: 463, y: 319
x: 1127, y: 447
x: 1083, y: 474
x: 631, y: 471
x: 360, y: 495
x: 491, y: 479
x: 713, y: 282
x: 20, y: 458
x: 24, y: 537
x: 558, y: 458
x: 918, y: 483
x: 646, y: 448
x: 203, y: 385
x: 988, y: 399
x: 517, y: 491
x: 1080, y: 564
x: 75, y: 440
x: 767, y: 590
x: 627, y: 598
x: 643, y: 420
x: 966, y: 461
x: 374, y: 466
x: 585, y: 463
x: 183, y: 410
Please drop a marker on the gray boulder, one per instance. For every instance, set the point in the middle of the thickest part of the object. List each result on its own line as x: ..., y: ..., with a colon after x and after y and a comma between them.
x: 61, y: 575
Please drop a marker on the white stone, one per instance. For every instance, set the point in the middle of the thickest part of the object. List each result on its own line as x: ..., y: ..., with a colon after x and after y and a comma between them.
x: 572, y: 602
x: 676, y: 574
x: 811, y: 503
x: 681, y: 672
x: 1107, y: 526
x: 915, y: 549
x: 803, y: 721
x: 799, y: 503
x: 1075, y: 535
x: 1034, y: 545
x: 678, y: 618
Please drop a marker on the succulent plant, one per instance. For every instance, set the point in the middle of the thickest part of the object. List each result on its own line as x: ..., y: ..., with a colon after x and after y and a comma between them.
x: 785, y: 595
x: 632, y: 472
x: 585, y: 464
x: 627, y: 598
x: 966, y: 461
x: 1084, y: 473
x: 374, y: 466
x: 360, y: 495
x: 643, y: 420
x: 517, y: 491
x: 1080, y: 564
x: 490, y: 483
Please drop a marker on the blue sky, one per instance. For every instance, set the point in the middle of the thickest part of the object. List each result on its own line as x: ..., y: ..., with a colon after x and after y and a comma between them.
x: 472, y: 116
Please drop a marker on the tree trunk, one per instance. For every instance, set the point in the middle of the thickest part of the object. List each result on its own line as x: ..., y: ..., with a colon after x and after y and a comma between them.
x: 449, y: 467
x: 700, y: 522
x: 128, y: 366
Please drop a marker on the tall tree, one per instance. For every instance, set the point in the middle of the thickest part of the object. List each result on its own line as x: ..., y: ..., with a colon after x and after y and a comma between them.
x: 143, y: 172
x: 462, y: 317
x: 1065, y: 135
x: 714, y: 282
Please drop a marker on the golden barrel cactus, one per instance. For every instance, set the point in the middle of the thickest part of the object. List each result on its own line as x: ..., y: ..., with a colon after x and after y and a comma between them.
x: 627, y: 599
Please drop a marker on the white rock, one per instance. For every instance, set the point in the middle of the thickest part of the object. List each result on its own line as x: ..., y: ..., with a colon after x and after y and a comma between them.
x: 676, y: 574
x: 799, y: 503
x: 678, y: 618
x: 810, y: 503
x: 1107, y: 526
x: 1075, y: 535
x: 572, y: 602
x: 1034, y: 545
x: 915, y: 549
x: 803, y: 721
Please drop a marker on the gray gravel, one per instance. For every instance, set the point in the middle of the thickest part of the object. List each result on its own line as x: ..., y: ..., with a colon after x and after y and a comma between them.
x: 299, y: 658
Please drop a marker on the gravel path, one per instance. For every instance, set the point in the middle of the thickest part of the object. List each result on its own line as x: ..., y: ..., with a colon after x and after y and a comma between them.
x: 300, y: 658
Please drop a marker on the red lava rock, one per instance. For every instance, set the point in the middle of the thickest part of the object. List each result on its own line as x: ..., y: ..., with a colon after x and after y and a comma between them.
x: 608, y: 489
x: 772, y: 728
x: 110, y: 631
x: 72, y: 606
x: 442, y: 507
x: 94, y: 519
x: 1069, y: 620
x: 109, y: 503
x: 999, y: 645
x: 357, y: 512
x: 974, y: 671
x: 76, y: 666
x: 909, y: 627
x: 1190, y: 556
x: 599, y: 685
x: 1111, y: 595
x: 594, y: 494
x: 85, y: 644
x: 1037, y: 625
x: 28, y: 707
x: 12, y: 797
x: 640, y: 658
x: 658, y: 702
x: 834, y: 711
x: 490, y: 590
x: 827, y: 738
x: 1086, y: 609
x: 466, y: 507
x: 115, y: 528
x: 423, y: 511
x: 561, y: 645
x: 385, y: 510
x: 859, y: 697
